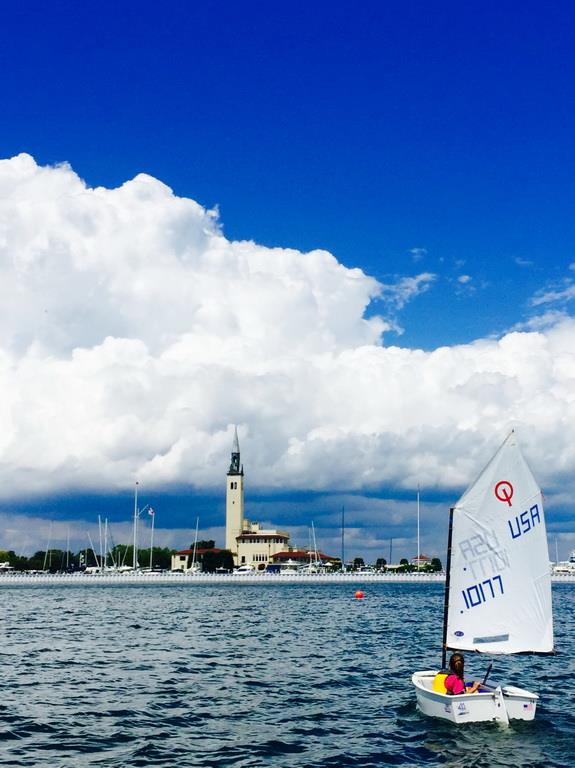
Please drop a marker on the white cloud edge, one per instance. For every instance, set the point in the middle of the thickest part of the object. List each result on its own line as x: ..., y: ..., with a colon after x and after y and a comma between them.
x: 96, y: 392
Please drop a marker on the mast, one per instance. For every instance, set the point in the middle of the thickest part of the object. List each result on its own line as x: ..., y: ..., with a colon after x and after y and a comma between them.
x: 446, y: 603
x: 195, y: 545
x: 134, y: 553
x: 342, y: 538
x: 152, y: 512
x: 100, y: 539
x: 93, y: 551
x: 314, y: 543
x: 418, y: 545
x: 48, y: 547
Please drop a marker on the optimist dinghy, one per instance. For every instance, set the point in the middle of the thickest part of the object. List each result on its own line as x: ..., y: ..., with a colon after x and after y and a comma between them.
x: 497, y: 588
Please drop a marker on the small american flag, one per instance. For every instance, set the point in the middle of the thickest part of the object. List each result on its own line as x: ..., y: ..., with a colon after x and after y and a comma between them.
x: 151, y: 511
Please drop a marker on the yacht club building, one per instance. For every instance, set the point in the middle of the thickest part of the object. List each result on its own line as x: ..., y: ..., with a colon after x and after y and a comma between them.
x: 249, y: 544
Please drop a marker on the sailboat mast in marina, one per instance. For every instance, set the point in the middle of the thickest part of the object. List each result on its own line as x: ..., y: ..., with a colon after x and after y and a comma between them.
x: 498, y: 587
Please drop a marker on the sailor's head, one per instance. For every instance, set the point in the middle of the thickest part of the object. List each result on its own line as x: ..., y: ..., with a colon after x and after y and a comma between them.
x: 456, y: 663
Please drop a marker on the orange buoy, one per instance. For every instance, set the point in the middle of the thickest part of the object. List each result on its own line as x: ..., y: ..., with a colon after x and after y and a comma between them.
x: 359, y: 594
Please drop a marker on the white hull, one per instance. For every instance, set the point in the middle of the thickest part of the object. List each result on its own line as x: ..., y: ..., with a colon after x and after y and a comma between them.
x: 500, y: 704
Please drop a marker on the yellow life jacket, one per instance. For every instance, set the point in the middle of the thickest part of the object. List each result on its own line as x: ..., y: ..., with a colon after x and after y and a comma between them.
x: 439, y: 683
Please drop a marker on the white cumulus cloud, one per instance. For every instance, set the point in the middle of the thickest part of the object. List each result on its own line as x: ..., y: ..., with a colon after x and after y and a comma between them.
x: 135, y: 335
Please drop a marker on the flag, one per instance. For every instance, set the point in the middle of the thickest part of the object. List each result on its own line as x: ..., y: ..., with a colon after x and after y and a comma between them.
x: 151, y: 511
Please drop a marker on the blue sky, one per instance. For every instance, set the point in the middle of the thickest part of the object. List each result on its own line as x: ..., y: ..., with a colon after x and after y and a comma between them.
x: 405, y: 139
x: 368, y: 130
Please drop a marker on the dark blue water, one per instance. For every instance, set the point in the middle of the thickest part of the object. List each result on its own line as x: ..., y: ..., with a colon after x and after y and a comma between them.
x: 238, y: 675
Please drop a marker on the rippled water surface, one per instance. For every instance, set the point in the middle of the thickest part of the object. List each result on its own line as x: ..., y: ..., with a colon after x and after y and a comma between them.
x: 239, y: 675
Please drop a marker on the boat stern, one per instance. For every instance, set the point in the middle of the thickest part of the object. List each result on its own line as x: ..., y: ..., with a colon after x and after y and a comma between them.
x: 520, y: 704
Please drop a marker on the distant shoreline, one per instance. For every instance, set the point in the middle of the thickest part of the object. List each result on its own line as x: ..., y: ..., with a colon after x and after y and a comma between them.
x: 261, y: 579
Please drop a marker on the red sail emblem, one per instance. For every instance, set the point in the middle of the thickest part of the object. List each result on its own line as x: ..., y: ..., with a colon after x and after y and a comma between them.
x: 504, y: 491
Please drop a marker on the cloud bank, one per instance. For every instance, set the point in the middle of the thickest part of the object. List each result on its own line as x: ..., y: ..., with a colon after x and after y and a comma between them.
x: 135, y: 335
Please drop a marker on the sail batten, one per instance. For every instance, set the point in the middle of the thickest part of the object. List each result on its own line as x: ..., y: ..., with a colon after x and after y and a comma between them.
x: 500, y: 581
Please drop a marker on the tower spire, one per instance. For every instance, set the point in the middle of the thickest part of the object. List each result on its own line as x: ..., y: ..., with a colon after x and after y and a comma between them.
x: 235, y: 467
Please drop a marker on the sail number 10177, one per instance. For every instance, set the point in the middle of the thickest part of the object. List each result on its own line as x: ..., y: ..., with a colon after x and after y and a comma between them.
x: 480, y: 593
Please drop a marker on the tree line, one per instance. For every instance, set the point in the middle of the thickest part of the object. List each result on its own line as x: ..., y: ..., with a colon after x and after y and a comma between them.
x: 66, y: 561
x: 60, y: 560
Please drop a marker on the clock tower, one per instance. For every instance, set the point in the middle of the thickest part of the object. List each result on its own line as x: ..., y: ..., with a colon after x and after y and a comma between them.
x: 234, y: 498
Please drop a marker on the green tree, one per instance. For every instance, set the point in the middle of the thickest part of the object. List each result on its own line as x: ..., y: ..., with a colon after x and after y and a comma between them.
x: 36, y: 562
x: 380, y: 563
x: 213, y: 560
x: 226, y: 560
x: 19, y: 562
x: 204, y: 544
x: 162, y: 558
x: 436, y: 564
x: 9, y: 556
x: 358, y: 563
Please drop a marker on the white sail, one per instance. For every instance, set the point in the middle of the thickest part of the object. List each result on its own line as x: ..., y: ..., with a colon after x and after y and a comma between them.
x: 500, y: 580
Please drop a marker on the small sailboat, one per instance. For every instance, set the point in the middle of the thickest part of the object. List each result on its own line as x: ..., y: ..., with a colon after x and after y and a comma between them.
x: 497, y: 589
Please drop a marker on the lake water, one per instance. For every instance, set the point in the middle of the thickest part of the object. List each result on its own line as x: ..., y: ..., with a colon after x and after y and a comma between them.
x: 239, y: 675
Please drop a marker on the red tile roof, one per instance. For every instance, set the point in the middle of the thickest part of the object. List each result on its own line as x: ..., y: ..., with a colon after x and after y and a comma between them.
x: 198, y: 551
x: 300, y: 554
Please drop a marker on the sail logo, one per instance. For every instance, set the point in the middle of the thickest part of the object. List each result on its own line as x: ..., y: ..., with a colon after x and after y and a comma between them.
x: 525, y: 522
x: 504, y: 491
